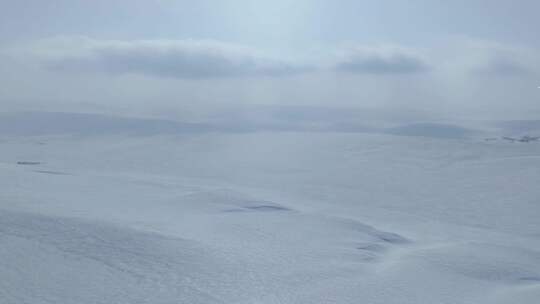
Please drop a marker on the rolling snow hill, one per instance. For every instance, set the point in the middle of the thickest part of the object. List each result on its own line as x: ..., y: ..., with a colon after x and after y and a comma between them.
x: 161, y: 216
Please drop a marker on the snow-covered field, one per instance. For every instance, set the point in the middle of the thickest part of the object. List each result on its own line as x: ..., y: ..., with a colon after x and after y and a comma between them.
x: 268, y: 217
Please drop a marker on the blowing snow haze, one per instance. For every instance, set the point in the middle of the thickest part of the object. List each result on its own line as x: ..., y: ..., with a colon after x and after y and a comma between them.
x: 281, y: 151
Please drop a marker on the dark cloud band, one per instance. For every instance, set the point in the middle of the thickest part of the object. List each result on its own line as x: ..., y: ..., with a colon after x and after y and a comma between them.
x: 374, y: 62
x: 177, y: 59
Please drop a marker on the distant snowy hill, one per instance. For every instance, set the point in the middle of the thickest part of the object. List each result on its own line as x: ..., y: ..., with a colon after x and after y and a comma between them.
x: 520, y: 126
x: 435, y: 130
x: 46, y: 123
x: 56, y: 123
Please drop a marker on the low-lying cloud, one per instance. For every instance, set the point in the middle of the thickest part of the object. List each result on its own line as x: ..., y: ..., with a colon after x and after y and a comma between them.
x: 206, y: 59
x: 381, y: 61
x: 195, y: 78
x: 190, y: 59
x: 484, y: 58
x: 504, y: 67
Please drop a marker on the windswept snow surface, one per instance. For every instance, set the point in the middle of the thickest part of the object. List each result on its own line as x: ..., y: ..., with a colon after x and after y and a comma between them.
x: 268, y: 217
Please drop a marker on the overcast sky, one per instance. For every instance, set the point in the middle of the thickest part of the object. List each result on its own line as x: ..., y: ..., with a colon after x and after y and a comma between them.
x: 455, y: 59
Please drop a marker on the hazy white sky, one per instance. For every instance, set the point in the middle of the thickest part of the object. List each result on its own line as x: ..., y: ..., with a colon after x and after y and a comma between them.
x: 452, y: 58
